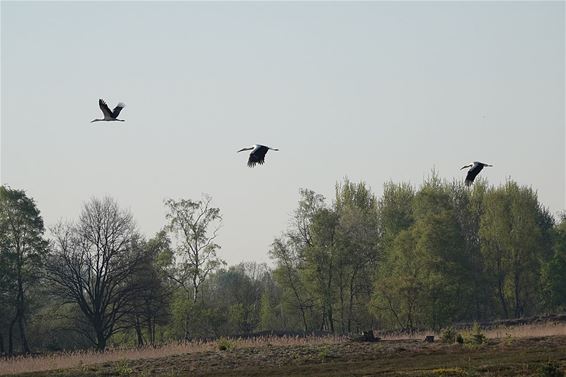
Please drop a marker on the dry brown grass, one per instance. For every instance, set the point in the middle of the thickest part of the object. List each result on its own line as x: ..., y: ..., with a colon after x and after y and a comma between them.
x: 519, y: 331
x: 527, y: 331
x: 66, y: 360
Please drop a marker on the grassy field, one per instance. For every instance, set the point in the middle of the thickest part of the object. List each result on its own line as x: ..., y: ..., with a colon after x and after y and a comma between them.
x: 523, y: 354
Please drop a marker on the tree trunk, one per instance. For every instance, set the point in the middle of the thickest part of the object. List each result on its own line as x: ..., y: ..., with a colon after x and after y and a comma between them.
x: 330, y: 319
x: 500, y: 281
x: 329, y: 297
x: 297, y: 296
x: 139, y: 331
x: 304, y: 317
x: 342, y: 322
x: 11, y: 336
x: 100, y: 337
x: 20, y: 307
x: 151, y: 330
x: 100, y: 342
x: 517, y: 286
x: 323, y: 321
x: 186, y: 335
x: 351, y: 303
x: 195, y: 290
x: 25, y: 345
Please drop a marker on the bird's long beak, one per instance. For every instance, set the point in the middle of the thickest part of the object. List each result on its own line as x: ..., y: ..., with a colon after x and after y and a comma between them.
x: 463, y: 167
x: 243, y: 149
x: 274, y: 149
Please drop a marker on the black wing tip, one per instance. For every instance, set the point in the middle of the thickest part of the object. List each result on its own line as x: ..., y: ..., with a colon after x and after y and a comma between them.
x: 251, y: 164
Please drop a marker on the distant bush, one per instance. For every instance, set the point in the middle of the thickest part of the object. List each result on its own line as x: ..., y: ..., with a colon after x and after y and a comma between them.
x: 475, y: 336
x: 324, y: 354
x: 448, y: 335
x: 225, y: 344
x: 449, y: 372
x: 551, y: 369
x: 122, y: 368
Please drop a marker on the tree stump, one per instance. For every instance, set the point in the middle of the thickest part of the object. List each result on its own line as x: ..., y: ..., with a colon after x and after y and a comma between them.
x: 367, y: 336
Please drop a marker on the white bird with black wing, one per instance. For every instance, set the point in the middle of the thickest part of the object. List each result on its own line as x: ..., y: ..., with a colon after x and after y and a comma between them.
x: 109, y: 116
x: 475, y: 168
x: 257, y: 154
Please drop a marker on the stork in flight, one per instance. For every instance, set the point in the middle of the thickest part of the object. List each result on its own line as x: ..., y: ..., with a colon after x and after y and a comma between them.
x: 475, y: 168
x: 257, y: 155
x: 109, y: 116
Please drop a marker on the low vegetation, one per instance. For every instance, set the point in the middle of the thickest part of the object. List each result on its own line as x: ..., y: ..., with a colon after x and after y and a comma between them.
x: 120, y: 358
x: 314, y: 356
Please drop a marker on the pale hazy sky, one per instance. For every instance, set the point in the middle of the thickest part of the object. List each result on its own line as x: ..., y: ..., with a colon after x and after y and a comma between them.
x: 375, y: 91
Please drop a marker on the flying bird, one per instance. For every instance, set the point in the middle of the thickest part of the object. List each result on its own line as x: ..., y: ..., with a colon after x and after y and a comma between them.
x: 257, y: 155
x: 475, y: 168
x: 109, y: 116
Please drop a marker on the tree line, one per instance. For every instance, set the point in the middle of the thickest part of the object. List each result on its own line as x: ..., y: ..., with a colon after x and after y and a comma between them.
x: 414, y: 257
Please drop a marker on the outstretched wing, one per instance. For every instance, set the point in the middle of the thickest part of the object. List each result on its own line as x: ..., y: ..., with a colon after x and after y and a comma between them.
x: 255, y: 159
x: 257, y: 156
x: 117, y: 110
x: 472, y: 173
x: 105, y: 110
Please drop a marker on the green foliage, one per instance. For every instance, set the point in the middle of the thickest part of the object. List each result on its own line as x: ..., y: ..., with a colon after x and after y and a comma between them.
x: 22, y: 255
x: 399, y: 291
x: 425, y: 271
x: 475, y: 335
x: 122, y: 368
x: 449, y: 372
x: 225, y: 344
x: 236, y: 315
x: 415, y: 257
x: 515, y: 232
x: 267, y: 318
x: 395, y: 210
x: 324, y: 354
x: 195, y: 226
x: 449, y: 335
x: 459, y: 253
x: 550, y: 369
x: 554, y: 270
x: 180, y: 310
